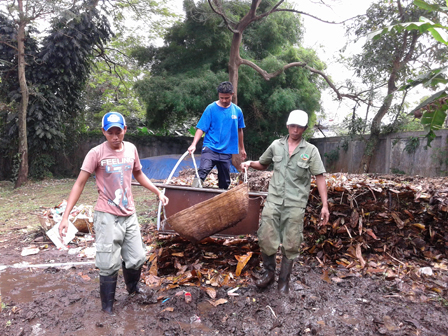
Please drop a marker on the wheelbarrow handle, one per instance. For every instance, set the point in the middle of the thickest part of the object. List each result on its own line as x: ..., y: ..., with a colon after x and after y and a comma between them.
x: 169, y: 179
x: 196, y: 168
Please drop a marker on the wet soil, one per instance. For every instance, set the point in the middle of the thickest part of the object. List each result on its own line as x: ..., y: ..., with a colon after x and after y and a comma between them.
x: 64, y: 300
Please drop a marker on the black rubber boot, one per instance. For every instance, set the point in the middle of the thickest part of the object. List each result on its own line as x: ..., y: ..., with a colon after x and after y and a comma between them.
x: 131, y: 279
x: 269, y: 276
x: 108, y: 284
x: 285, y: 273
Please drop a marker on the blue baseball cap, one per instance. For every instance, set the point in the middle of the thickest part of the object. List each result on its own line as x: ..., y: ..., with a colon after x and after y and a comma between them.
x: 113, y: 119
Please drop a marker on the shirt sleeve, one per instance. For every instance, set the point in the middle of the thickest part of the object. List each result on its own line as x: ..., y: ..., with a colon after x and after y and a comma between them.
x: 205, y: 121
x: 316, y: 164
x: 266, y: 158
x: 90, y: 161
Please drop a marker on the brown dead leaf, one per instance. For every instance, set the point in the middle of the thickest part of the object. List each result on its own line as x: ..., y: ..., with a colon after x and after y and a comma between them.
x: 211, y: 292
x: 336, y: 279
x: 242, y: 261
x: 170, y: 309
x: 154, y: 269
x: 420, y: 226
x: 359, y: 256
x: 354, y: 219
x: 389, y: 324
x: 177, y: 254
x: 230, y: 242
x: 210, y: 255
x: 15, y: 310
x: 398, y: 221
x: 177, y: 264
x: 84, y: 276
x: 372, y: 234
x: 226, y: 280
x: 325, y: 276
x: 217, y: 302
x: 390, y: 275
x: 152, y: 281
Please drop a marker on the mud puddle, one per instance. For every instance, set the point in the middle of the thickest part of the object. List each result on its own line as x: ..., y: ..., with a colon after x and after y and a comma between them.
x: 23, y: 286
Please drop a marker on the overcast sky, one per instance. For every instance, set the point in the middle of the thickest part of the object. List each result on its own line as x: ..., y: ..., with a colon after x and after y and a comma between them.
x: 327, y: 40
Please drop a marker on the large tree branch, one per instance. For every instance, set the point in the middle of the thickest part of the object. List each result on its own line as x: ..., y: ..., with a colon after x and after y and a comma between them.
x: 9, y: 45
x: 224, y: 17
x: 315, y: 17
x: 268, y: 76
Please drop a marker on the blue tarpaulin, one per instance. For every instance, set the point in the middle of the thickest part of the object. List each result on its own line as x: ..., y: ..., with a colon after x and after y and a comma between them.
x: 160, y: 167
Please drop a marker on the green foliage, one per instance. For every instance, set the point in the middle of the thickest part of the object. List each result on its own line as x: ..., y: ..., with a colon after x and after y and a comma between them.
x: 40, y: 167
x: 434, y: 116
x: 187, y: 69
x: 57, y: 70
x: 111, y: 84
x: 412, y: 143
x: 16, y: 160
x: 397, y: 171
x: 345, y: 144
x: 332, y: 156
x: 439, y: 157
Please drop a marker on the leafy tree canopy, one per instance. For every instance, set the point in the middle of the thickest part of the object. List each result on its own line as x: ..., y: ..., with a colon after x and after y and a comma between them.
x: 193, y: 61
x: 57, y: 70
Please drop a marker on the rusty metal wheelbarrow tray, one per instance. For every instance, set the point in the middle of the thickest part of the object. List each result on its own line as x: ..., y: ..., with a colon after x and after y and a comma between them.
x: 184, y: 197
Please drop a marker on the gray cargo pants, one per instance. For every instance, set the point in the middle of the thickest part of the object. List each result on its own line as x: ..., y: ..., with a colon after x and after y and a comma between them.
x: 117, y: 238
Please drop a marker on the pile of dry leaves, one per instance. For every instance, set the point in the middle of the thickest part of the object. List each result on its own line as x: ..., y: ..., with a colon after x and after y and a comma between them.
x: 389, y: 225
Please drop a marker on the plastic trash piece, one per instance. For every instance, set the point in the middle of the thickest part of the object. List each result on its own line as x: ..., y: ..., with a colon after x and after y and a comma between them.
x: 188, y: 297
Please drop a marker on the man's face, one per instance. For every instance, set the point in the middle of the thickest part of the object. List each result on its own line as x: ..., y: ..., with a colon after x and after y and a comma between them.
x: 225, y: 99
x: 115, y: 136
x: 295, y: 131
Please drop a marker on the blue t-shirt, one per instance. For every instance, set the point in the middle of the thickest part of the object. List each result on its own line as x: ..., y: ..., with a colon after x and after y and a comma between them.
x: 220, y: 126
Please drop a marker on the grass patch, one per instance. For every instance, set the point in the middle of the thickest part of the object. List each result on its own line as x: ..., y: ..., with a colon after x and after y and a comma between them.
x: 20, y: 207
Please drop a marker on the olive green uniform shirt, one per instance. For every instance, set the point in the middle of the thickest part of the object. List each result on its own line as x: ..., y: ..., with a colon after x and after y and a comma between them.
x: 291, y: 178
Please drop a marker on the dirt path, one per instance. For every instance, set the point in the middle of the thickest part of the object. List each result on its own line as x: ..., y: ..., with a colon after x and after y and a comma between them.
x: 65, y: 300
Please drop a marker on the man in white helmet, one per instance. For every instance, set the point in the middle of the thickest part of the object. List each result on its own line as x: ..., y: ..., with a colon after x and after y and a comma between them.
x: 294, y: 160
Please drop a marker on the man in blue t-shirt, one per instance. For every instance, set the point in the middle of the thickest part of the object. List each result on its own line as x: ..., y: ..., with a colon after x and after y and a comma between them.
x: 223, y: 123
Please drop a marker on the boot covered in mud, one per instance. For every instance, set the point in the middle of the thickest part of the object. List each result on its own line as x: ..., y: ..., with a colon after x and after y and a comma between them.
x: 268, y: 277
x: 131, y: 279
x: 285, y: 274
x: 108, y: 284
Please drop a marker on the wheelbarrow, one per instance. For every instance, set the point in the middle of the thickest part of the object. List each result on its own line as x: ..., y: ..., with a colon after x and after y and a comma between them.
x: 195, y: 212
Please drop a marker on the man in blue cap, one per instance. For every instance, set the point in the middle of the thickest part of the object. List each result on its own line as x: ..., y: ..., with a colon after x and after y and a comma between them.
x: 117, y: 233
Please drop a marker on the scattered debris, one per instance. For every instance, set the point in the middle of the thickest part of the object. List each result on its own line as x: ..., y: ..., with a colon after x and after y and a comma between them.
x: 81, y: 217
x: 217, y: 302
x: 29, y: 251
x: 60, y: 243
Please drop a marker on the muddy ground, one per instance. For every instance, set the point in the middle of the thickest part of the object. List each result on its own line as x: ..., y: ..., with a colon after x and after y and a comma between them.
x: 65, y: 300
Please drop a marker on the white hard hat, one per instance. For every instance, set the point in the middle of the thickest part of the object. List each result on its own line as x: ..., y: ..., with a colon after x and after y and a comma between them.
x: 298, y: 117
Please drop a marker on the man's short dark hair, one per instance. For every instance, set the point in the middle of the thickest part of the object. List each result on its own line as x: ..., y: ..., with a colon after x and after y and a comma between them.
x: 225, y: 87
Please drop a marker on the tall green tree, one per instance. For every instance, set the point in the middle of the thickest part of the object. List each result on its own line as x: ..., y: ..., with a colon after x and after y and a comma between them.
x: 47, y: 81
x: 390, y: 60
x: 195, y: 57
x: 431, y: 110
x: 238, y: 23
x: 110, y: 85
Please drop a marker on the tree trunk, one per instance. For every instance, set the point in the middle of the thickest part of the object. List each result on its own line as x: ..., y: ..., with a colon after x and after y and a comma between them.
x: 23, y: 143
x: 234, y: 64
x: 375, y: 130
